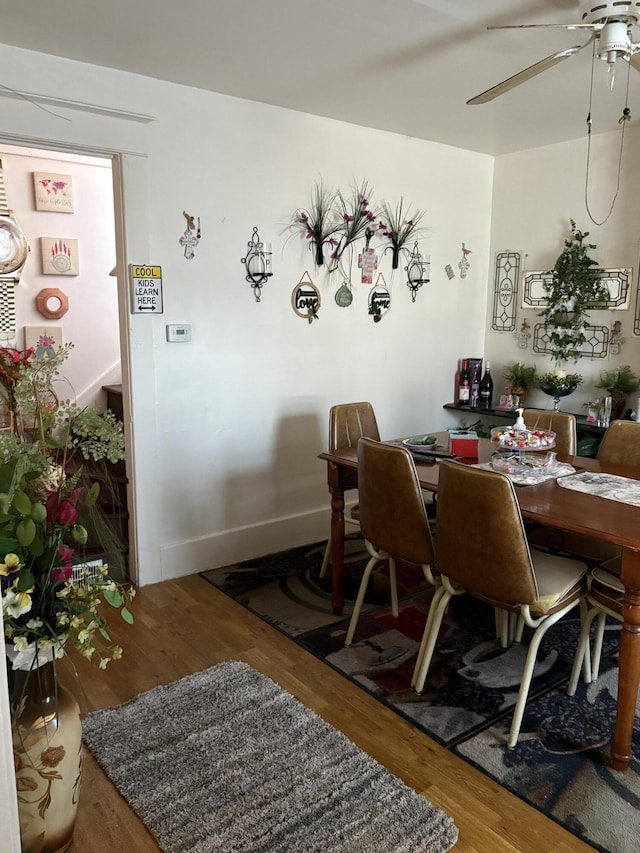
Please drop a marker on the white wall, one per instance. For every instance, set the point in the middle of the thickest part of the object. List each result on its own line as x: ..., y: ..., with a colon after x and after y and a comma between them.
x: 536, y: 193
x: 226, y: 429
x: 91, y: 322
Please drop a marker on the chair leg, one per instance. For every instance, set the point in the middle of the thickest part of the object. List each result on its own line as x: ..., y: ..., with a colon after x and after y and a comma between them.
x: 597, y: 646
x: 393, y: 583
x: 527, y: 673
x: 358, y: 605
x: 580, y: 661
x: 431, y: 630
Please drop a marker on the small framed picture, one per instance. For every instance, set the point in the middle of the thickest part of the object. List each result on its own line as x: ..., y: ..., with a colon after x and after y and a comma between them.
x: 45, y: 340
x: 53, y: 192
x: 59, y: 256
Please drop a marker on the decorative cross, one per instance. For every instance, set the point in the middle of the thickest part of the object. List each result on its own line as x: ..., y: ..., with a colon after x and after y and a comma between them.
x: 368, y: 263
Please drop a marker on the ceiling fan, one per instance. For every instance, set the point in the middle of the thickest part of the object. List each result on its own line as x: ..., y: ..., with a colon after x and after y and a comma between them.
x: 610, y: 23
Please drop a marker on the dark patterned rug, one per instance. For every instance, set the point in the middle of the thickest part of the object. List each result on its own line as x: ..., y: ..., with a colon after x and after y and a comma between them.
x: 559, y: 764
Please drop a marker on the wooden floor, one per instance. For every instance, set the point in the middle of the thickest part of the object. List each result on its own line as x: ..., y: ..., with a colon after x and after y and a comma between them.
x: 187, y: 625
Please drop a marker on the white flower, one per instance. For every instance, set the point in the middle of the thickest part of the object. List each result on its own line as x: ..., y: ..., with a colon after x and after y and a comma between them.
x: 15, y: 604
x: 20, y: 644
x: 32, y: 624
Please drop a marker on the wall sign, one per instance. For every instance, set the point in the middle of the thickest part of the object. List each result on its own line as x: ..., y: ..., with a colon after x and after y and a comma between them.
x: 379, y: 301
x: 146, y: 289
x: 305, y: 299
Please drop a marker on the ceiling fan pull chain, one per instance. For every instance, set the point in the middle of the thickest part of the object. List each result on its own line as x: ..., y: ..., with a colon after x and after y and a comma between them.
x: 622, y: 121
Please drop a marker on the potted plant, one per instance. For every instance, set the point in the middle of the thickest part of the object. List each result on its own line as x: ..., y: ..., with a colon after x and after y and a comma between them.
x: 573, y: 289
x: 521, y: 379
x: 618, y: 383
x: 53, y: 594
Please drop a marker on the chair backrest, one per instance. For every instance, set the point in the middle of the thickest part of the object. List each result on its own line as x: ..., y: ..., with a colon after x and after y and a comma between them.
x: 562, y: 423
x: 480, y: 539
x: 392, y: 512
x: 620, y: 444
x: 349, y: 422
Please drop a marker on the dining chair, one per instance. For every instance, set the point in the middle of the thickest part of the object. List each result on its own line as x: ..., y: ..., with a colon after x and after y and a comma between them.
x: 482, y: 548
x: 393, y: 518
x: 562, y: 423
x: 348, y: 422
x: 604, y: 598
x: 620, y: 444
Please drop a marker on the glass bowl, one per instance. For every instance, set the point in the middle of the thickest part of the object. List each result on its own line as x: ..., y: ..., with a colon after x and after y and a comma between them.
x: 516, y: 438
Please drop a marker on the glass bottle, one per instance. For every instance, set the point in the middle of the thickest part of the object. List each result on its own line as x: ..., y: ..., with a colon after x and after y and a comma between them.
x: 486, y: 389
x: 464, y: 385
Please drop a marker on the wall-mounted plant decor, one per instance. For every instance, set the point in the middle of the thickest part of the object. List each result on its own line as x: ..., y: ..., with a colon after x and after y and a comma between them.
x: 617, y: 281
x: 595, y: 344
x: 333, y: 222
x: 258, y: 263
x: 305, y: 299
x: 379, y: 300
x: 399, y: 228
x: 505, y: 291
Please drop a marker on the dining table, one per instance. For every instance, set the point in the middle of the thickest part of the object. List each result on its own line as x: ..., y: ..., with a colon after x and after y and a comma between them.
x: 548, y: 504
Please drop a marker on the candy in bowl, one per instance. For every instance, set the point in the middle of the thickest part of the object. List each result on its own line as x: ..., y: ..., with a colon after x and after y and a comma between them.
x: 520, y: 438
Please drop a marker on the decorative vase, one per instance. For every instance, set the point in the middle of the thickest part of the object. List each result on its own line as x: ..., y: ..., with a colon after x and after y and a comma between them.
x: 318, y: 252
x: 47, y: 753
x: 557, y: 391
x: 395, y: 257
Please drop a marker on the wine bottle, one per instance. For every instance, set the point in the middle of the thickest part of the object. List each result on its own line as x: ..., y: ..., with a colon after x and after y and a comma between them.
x: 486, y: 389
x: 464, y: 386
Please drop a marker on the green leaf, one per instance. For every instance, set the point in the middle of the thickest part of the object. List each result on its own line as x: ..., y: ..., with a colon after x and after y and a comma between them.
x: 127, y: 615
x: 37, y: 548
x: 25, y: 581
x: 26, y: 531
x: 113, y: 597
x: 105, y: 634
x: 22, y: 503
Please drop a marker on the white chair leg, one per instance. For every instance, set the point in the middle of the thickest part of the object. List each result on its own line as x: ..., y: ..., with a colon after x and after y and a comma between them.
x: 426, y: 634
x: 519, y: 628
x: 527, y: 675
x: 580, y: 661
x: 586, y: 665
x: 423, y: 663
x: 393, y: 583
x: 358, y: 605
x: 597, y: 646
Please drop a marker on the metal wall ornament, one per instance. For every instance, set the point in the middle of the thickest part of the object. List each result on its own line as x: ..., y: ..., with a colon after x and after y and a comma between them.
x: 417, y: 271
x: 535, y: 285
x: 596, y: 344
x: 464, y: 264
x: 344, y: 297
x: 191, y: 237
x: 523, y: 334
x: 615, y: 338
x: 257, y: 263
x: 505, y: 291
x: 379, y: 300
x: 305, y: 299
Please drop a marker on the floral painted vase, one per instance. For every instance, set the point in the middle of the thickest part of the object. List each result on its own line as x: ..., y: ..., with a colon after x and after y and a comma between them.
x: 47, y: 752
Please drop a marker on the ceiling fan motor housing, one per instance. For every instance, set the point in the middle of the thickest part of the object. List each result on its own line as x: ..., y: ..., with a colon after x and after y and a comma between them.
x: 594, y: 12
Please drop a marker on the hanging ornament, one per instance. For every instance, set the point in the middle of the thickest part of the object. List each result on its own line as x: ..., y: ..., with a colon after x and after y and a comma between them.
x: 417, y: 271
x: 191, y: 237
x: 367, y: 259
x: 449, y: 271
x: 615, y: 338
x: 344, y: 297
x: 523, y: 335
x: 379, y: 300
x: 305, y: 299
x: 464, y: 264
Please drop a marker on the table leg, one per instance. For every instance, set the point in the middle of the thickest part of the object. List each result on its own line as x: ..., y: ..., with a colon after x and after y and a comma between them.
x: 337, y: 547
x: 629, y: 664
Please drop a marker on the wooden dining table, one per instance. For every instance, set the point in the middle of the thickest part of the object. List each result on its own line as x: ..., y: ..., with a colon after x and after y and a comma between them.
x: 551, y: 505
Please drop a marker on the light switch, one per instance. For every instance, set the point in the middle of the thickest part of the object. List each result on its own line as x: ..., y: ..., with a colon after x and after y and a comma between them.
x: 178, y: 332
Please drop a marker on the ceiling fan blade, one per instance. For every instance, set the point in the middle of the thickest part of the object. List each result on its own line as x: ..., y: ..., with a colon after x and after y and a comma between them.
x: 526, y: 74
x: 597, y: 26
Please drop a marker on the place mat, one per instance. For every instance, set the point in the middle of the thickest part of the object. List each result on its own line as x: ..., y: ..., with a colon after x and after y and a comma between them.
x: 610, y: 486
x: 533, y: 476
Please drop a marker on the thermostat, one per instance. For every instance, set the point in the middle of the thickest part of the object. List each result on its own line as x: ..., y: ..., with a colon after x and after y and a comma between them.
x: 178, y: 332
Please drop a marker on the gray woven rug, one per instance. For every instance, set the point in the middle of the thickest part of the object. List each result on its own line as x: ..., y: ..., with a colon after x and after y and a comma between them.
x: 226, y: 760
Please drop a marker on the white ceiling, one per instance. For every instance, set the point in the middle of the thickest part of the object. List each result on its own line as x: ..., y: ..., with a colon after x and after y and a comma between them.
x: 406, y: 66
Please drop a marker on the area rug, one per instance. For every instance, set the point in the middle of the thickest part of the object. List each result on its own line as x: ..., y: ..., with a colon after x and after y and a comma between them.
x: 559, y: 765
x: 226, y: 760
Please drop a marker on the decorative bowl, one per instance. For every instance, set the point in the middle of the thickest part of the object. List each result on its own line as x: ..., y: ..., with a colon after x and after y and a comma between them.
x: 515, y: 438
x: 419, y: 443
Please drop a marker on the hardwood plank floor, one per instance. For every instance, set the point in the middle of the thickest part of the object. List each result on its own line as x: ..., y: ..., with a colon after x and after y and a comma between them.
x: 186, y: 625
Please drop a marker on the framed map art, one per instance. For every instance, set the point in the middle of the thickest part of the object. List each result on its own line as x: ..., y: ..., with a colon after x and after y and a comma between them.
x: 54, y: 193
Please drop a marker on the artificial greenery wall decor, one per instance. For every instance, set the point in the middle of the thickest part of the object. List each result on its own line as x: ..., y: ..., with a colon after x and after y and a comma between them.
x: 573, y: 287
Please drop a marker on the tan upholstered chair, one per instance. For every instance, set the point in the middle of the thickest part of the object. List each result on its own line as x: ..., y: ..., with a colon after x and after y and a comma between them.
x: 562, y: 423
x: 620, y: 445
x: 481, y: 547
x: 393, y: 518
x: 348, y: 422
x: 605, y: 597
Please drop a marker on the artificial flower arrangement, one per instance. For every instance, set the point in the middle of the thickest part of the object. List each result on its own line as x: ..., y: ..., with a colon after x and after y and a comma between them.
x: 559, y: 380
x: 50, y: 595
x: 399, y: 228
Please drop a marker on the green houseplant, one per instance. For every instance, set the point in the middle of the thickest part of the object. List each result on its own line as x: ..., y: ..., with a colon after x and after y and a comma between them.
x: 521, y: 378
x: 618, y: 383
